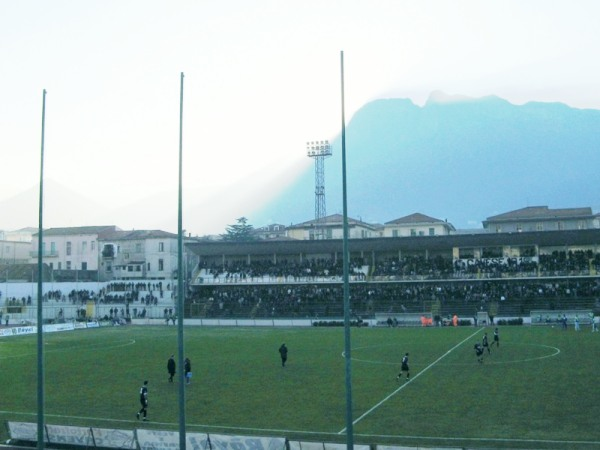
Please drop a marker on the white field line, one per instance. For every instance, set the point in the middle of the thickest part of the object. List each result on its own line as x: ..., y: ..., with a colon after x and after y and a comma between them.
x: 411, y: 381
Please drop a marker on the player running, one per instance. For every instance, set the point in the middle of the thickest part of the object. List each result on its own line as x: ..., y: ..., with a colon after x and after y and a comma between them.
x: 485, y: 344
x: 479, y: 352
x: 143, y: 401
x: 404, y: 368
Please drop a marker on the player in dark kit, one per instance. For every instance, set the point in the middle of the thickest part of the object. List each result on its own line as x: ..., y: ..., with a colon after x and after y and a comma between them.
x: 496, y: 337
x: 171, y: 368
x: 485, y: 344
x: 479, y: 352
x: 144, y: 401
x: 283, y: 351
x: 404, y: 368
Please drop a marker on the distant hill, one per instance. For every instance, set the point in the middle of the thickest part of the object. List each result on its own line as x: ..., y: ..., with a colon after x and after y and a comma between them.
x: 455, y: 158
x: 62, y: 207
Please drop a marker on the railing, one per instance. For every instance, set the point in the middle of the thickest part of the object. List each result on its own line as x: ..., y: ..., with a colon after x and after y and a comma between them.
x: 221, y: 279
x: 45, y: 254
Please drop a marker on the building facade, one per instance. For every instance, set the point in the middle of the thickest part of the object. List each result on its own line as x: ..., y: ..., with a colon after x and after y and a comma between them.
x: 417, y: 224
x: 332, y: 227
x: 14, y: 252
x: 70, y: 248
x: 542, y: 218
x: 138, y: 254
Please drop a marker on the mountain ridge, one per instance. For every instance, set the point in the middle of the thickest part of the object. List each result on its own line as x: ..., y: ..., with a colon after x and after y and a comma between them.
x: 463, y: 160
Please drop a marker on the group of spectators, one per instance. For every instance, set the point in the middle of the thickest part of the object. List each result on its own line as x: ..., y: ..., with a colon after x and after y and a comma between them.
x: 409, y: 267
x: 112, y: 293
x: 312, y: 300
x: 308, y: 269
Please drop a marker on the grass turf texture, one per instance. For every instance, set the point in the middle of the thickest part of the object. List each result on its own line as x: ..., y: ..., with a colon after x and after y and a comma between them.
x: 538, y: 390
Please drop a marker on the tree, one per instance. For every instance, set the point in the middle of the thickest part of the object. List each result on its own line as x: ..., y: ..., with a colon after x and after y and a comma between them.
x: 239, y: 232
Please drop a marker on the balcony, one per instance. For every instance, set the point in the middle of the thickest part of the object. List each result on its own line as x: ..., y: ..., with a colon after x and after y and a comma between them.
x: 46, y: 254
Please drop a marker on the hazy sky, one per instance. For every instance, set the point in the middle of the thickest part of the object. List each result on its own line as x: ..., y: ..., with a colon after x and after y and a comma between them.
x: 261, y: 78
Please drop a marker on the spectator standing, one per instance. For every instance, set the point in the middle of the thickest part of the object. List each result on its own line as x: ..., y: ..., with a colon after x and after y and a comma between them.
x: 187, y: 366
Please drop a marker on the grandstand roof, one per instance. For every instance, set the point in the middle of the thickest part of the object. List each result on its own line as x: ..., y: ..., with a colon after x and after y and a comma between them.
x: 393, y: 244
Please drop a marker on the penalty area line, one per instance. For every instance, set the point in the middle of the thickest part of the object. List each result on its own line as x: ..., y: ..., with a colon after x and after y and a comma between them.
x: 343, y: 430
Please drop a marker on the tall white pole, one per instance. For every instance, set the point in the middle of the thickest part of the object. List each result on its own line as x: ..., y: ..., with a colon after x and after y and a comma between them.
x: 40, y: 326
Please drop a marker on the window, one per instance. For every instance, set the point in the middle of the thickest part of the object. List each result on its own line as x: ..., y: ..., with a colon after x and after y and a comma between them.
x: 560, y: 225
x: 92, y: 245
x: 84, y: 247
x: 138, y: 247
x: 519, y: 228
x: 394, y: 233
x: 53, y: 248
x: 161, y: 246
x: 421, y: 233
x: 498, y: 228
x: 466, y: 253
x: 539, y: 227
x: 109, y: 267
x: 68, y: 265
x: 148, y: 267
x: 527, y: 251
x: 432, y: 232
x: 59, y: 265
x: 161, y: 265
x: 83, y: 266
x: 68, y: 248
x: 492, y: 252
x: 413, y: 232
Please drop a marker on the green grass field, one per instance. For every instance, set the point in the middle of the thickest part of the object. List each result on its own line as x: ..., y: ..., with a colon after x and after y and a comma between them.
x: 539, y: 390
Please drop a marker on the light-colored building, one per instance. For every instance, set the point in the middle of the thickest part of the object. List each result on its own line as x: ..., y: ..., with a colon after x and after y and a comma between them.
x: 332, y: 227
x: 14, y: 252
x: 138, y: 254
x: 20, y: 235
x: 417, y: 224
x: 542, y: 218
x: 272, y: 231
x: 70, y: 248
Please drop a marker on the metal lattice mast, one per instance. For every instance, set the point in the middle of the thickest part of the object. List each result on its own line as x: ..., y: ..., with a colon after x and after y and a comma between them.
x: 319, y: 150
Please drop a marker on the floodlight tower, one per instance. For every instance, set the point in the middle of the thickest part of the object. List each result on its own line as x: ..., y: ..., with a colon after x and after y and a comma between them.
x: 319, y: 150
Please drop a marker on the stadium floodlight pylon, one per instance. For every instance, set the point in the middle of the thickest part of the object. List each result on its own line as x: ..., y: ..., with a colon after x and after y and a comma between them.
x: 319, y: 150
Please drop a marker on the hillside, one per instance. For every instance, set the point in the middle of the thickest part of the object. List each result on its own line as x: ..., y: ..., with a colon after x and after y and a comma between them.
x: 454, y: 158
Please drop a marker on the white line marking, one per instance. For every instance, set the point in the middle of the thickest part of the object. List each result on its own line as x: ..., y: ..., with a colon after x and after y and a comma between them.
x: 412, y: 380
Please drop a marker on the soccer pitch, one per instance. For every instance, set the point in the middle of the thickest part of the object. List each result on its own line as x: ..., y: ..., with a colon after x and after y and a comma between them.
x: 538, y: 390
